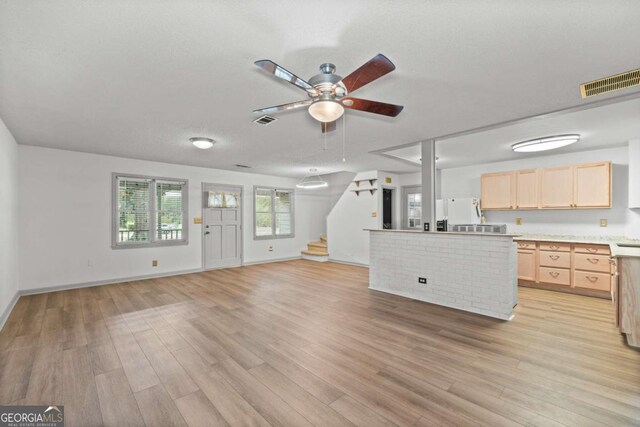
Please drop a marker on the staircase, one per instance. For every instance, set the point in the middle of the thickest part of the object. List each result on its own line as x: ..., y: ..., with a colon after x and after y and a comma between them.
x: 317, y: 251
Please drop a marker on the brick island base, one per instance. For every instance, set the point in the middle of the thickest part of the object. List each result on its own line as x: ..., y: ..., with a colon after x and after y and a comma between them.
x: 474, y: 272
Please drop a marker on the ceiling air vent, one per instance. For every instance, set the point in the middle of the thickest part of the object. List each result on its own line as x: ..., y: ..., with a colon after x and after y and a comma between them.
x: 611, y: 83
x: 265, y: 120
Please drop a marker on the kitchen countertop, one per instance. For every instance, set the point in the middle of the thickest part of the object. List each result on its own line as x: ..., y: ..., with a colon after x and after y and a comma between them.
x: 612, y: 241
x: 437, y: 233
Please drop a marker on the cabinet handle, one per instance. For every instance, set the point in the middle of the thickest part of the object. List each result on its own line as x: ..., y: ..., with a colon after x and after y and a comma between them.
x: 592, y: 278
x: 554, y: 274
x: 554, y: 257
x: 593, y: 260
x: 554, y: 247
x: 511, y: 207
x: 592, y: 250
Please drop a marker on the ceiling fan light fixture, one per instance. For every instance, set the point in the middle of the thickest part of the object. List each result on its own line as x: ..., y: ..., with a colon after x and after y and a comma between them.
x: 326, y: 110
x: 312, y: 180
x: 546, y: 143
x: 202, y: 143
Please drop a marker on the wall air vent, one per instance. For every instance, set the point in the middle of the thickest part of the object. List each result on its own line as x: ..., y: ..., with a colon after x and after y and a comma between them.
x: 611, y: 83
x: 265, y: 120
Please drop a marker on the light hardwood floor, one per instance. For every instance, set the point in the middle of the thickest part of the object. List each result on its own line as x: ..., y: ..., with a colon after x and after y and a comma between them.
x: 301, y: 343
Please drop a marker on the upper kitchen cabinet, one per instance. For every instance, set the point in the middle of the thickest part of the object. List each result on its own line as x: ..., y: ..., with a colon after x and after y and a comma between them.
x: 563, y: 187
x: 592, y: 183
x: 498, y: 190
x: 527, y: 189
x: 556, y: 187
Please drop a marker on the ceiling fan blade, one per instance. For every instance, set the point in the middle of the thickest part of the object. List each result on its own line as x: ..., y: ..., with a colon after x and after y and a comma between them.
x: 284, y: 107
x: 375, y: 68
x: 375, y: 107
x: 328, y: 126
x: 284, y: 74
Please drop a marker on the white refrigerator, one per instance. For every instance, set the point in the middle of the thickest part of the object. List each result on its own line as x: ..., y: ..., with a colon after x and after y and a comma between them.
x: 463, y: 211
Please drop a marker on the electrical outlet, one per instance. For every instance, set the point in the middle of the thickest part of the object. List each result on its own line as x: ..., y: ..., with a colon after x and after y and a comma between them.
x: 518, y: 221
x: 374, y: 214
x: 603, y: 222
x: 270, y: 248
x: 154, y: 263
x: 422, y: 280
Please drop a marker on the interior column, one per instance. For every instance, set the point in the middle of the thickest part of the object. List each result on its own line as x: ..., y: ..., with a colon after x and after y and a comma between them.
x: 429, y: 185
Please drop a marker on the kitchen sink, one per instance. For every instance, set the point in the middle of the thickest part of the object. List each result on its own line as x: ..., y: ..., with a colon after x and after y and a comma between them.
x: 629, y: 245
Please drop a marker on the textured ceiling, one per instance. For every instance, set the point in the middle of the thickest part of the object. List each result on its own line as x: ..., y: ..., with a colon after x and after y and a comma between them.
x: 607, y: 126
x: 138, y: 78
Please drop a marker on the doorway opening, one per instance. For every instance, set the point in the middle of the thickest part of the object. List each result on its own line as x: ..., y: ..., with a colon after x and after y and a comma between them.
x: 221, y: 226
x: 387, y: 208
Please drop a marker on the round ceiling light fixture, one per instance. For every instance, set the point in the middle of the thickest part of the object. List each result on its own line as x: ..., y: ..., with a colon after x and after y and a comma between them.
x: 546, y: 143
x: 202, y: 143
x: 312, y: 180
x: 326, y: 110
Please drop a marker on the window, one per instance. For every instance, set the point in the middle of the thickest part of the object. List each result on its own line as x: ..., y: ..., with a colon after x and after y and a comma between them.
x: 273, y: 213
x: 149, y: 211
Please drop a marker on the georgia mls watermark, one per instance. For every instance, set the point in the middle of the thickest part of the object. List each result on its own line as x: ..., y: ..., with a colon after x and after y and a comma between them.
x: 31, y: 416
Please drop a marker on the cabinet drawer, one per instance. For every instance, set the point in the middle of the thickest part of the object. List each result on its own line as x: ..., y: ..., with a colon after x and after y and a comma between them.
x: 588, y: 262
x: 557, y: 276
x: 526, y: 245
x: 555, y: 259
x: 552, y: 246
x: 587, y: 279
x: 592, y: 249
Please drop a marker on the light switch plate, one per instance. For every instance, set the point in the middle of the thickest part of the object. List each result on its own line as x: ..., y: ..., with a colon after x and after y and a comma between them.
x: 603, y: 222
x: 374, y: 214
x: 518, y: 221
x: 197, y: 220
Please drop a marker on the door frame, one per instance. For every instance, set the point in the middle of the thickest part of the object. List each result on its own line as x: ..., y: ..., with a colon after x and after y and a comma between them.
x: 405, y: 191
x: 203, y: 206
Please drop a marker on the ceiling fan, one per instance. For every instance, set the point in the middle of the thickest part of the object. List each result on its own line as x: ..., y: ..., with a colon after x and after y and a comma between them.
x: 328, y: 91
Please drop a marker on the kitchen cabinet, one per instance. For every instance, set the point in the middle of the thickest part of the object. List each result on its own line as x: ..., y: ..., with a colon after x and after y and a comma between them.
x: 581, y: 186
x: 498, y: 190
x: 526, y: 189
x: 592, y: 184
x: 526, y: 264
x: 556, y: 187
x: 569, y: 267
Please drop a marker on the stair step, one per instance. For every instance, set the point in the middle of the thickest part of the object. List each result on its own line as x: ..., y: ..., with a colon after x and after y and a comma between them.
x: 317, y: 245
x: 315, y: 252
x: 323, y: 238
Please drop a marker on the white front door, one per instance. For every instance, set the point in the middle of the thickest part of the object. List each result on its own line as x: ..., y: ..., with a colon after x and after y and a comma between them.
x: 222, y: 225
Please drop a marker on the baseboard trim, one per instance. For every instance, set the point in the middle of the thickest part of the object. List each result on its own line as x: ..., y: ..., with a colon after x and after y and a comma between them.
x: 35, y: 291
x: 7, y: 311
x: 267, y: 261
x: 339, y: 261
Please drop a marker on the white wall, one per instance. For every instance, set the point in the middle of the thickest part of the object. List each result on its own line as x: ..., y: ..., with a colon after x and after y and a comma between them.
x: 465, y: 182
x: 347, y: 240
x: 65, y: 203
x: 8, y: 219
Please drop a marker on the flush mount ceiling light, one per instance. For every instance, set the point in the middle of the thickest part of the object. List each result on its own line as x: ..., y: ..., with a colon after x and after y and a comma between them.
x: 546, y: 143
x: 312, y: 180
x: 202, y: 143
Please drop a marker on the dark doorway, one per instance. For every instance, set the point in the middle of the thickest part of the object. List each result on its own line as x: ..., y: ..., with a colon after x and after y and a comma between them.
x: 387, y: 208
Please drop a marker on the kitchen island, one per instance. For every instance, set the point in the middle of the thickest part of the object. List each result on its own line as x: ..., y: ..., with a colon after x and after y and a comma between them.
x: 475, y: 272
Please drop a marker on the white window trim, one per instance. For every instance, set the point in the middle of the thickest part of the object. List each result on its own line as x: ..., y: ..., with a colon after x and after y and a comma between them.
x: 273, y: 213
x: 152, y: 220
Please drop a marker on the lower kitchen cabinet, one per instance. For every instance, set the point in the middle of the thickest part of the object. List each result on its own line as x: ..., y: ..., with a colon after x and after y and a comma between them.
x: 570, y: 267
x: 527, y: 264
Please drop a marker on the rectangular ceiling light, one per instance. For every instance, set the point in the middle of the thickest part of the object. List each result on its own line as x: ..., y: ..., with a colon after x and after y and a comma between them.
x: 611, y: 83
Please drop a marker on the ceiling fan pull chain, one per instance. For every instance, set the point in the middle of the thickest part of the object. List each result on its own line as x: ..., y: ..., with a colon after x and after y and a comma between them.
x: 344, y: 133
